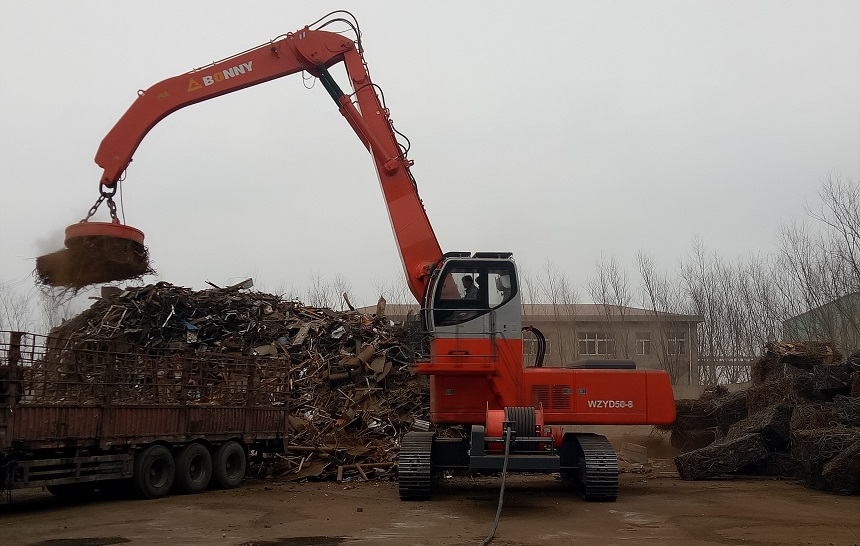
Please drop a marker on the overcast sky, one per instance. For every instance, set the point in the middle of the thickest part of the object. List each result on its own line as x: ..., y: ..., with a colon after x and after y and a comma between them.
x: 560, y: 131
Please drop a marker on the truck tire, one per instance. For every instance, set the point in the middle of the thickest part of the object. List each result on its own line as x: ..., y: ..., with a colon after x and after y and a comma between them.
x: 154, y: 472
x: 193, y: 468
x: 228, y: 465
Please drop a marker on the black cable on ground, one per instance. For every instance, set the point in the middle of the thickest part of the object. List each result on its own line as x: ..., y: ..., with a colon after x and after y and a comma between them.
x: 492, y: 534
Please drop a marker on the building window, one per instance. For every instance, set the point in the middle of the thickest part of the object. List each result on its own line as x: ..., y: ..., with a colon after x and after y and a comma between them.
x: 643, y: 343
x: 676, y: 343
x: 530, y: 346
x: 595, y: 343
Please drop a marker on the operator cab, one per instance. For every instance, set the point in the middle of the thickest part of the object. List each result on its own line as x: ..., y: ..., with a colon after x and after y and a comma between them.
x: 474, y: 294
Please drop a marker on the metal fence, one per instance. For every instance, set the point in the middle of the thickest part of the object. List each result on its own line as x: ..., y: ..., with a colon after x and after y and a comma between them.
x: 713, y: 371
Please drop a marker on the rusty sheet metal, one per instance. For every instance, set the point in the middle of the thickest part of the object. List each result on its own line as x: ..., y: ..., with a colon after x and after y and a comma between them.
x: 55, y: 423
x: 61, y: 426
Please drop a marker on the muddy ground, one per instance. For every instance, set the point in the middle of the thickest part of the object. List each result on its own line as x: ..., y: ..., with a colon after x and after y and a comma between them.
x: 654, y: 507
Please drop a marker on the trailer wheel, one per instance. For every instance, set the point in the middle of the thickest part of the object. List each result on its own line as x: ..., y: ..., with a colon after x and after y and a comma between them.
x: 154, y: 472
x: 228, y: 465
x: 193, y: 468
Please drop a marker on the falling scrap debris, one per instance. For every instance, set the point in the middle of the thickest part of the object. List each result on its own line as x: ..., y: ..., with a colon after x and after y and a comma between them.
x: 799, y: 419
x: 92, y: 260
x: 352, y: 393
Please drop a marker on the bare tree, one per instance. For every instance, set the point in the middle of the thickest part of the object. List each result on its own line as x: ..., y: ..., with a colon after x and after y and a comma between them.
x: 55, y: 307
x: 555, y: 288
x: 761, y: 302
x: 814, y: 278
x: 394, y: 290
x: 342, y: 287
x: 662, y: 298
x: 611, y: 290
x: 730, y: 297
x: 15, y: 309
x: 319, y: 293
x: 840, y: 211
x: 821, y: 268
x: 529, y: 287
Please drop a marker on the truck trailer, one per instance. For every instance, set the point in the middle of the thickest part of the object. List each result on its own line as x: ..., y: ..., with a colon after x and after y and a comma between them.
x: 83, y: 414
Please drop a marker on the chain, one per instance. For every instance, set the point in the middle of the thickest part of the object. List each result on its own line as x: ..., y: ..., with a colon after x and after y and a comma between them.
x: 111, y: 205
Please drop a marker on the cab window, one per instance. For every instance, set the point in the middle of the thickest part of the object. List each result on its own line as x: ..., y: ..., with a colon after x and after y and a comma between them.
x: 468, y: 290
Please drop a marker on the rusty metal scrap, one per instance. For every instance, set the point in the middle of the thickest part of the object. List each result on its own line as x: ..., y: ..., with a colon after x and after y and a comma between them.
x: 842, y: 472
x: 350, y: 390
x: 802, y: 408
x: 771, y: 423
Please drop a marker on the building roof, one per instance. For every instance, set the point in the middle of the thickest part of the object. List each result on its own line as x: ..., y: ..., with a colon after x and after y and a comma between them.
x: 599, y: 311
x: 549, y: 311
x: 847, y: 302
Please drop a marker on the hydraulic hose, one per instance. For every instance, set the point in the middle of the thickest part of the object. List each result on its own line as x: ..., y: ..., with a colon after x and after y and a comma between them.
x: 492, y: 534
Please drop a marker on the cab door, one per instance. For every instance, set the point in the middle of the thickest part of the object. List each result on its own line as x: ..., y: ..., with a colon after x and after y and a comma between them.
x: 475, y: 299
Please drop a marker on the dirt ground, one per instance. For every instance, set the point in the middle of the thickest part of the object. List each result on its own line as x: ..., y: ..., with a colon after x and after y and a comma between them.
x: 653, y: 507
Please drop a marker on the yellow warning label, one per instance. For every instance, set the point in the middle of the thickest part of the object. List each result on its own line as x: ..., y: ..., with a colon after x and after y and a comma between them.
x: 193, y: 85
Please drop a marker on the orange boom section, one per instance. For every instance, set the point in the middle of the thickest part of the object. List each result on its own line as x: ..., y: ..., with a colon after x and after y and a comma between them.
x: 306, y: 50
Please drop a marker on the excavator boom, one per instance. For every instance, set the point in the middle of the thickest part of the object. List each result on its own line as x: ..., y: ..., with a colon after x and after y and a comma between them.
x: 312, y: 51
x: 294, y: 53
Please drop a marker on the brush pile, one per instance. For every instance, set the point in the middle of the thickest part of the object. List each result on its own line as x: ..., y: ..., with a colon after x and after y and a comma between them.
x: 799, y: 419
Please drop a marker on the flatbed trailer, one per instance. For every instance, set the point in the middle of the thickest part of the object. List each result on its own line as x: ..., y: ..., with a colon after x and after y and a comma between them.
x: 80, y: 414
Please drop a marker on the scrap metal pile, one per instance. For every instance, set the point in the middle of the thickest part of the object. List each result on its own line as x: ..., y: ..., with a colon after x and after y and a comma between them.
x: 799, y: 419
x: 351, y: 394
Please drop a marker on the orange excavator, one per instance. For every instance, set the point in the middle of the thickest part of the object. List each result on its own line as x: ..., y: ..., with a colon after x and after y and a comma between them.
x: 516, y: 416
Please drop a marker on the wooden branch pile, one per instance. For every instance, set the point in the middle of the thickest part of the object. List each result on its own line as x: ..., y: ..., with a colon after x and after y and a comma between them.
x: 804, y: 355
x: 347, y: 376
x: 700, y: 422
x: 724, y: 457
x: 800, y: 419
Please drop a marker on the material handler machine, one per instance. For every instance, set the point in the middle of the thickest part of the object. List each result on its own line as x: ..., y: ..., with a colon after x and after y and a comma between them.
x: 515, y: 413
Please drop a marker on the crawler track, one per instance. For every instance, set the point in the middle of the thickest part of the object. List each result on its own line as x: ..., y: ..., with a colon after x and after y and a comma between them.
x: 598, y: 474
x: 414, y: 466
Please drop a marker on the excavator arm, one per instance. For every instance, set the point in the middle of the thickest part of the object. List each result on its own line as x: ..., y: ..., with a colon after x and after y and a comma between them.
x: 312, y: 51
